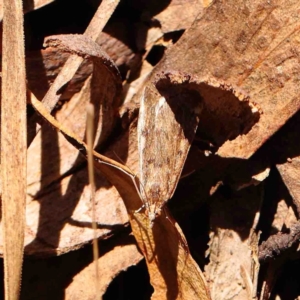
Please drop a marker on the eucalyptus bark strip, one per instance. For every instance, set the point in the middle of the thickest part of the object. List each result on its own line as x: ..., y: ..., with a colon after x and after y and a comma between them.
x: 13, y: 145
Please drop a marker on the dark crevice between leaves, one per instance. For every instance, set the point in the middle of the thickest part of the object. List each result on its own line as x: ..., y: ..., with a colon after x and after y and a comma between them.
x: 130, y: 284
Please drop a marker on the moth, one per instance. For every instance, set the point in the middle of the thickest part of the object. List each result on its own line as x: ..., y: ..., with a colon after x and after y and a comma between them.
x: 169, y: 114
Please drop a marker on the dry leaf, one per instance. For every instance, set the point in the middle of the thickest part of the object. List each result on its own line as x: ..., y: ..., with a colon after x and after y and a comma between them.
x: 43, y: 66
x: 60, y: 228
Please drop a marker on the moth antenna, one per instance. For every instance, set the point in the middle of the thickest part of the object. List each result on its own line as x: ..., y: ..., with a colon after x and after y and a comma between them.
x: 121, y: 160
x: 90, y: 142
x: 145, y: 201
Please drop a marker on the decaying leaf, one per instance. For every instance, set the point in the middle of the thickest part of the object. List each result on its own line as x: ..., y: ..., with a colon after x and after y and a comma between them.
x: 60, y: 228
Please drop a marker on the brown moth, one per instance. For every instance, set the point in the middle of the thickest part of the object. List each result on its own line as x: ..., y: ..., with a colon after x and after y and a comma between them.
x: 168, y: 119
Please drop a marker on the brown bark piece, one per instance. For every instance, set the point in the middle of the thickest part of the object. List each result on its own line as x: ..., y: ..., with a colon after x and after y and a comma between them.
x: 229, y: 248
x: 172, y: 18
x: 290, y: 173
x: 278, y: 243
x: 251, y: 46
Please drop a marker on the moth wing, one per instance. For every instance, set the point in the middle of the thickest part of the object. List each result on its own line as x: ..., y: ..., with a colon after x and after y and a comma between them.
x: 166, y: 127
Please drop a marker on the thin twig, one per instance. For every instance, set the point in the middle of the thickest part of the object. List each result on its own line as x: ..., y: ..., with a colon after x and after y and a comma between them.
x: 278, y: 243
x: 90, y: 143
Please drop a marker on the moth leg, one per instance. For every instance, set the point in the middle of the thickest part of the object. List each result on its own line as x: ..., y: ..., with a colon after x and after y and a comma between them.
x: 181, y: 238
x: 140, y: 209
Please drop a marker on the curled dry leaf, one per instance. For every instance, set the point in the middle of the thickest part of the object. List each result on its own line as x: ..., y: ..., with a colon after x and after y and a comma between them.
x: 106, y: 81
x: 102, y: 15
x: 56, y: 224
x: 43, y: 66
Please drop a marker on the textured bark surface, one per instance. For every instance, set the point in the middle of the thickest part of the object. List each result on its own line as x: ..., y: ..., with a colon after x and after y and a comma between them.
x: 250, y: 45
x: 13, y: 146
x: 28, y: 5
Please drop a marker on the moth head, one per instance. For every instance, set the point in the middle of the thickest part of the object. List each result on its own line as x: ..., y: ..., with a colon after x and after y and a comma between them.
x: 152, y: 215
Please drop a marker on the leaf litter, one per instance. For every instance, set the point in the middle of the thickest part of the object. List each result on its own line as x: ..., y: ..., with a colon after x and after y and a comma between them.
x: 240, y: 59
